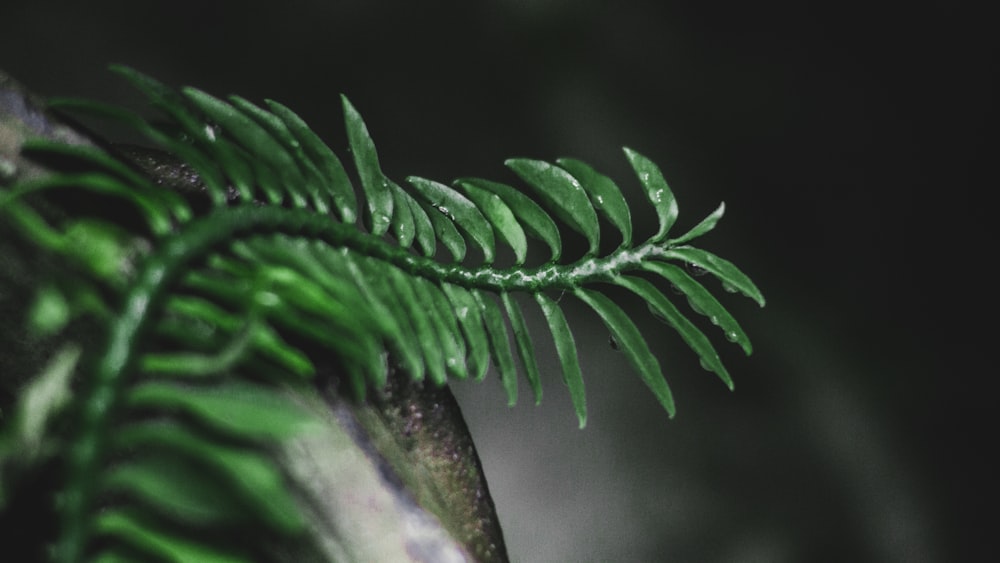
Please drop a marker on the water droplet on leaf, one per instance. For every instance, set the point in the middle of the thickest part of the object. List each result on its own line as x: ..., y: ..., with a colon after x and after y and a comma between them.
x: 694, y: 269
x: 613, y: 342
x: 695, y: 307
x: 656, y: 314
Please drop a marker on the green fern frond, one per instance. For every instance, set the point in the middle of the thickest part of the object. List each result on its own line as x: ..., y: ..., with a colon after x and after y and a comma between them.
x: 235, y: 302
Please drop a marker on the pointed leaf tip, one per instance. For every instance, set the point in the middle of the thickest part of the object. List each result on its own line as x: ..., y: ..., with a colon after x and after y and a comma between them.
x: 706, y: 225
x: 374, y: 184
x: 724, y: 270
x: 657, y: 190
x: 566, y: 350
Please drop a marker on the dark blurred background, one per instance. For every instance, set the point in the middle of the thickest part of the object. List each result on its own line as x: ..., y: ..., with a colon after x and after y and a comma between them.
x: 848, y: 142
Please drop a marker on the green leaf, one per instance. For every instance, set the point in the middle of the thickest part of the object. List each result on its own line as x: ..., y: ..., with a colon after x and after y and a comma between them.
x: 383, y: 306
x: 445, y: 231
x: 501, y: 217
x: 251, y: 474
x: 275, y: 171
x: 442, y: 319
x: 337, y: 183
x: 604, y: 194
x: 632, y: 344
x: 706, y: 225
x: 535, y: 221
x: 562, y: 194
x: 265, y: 341
x: 459, y: 209
x: 702, y: 302
x: 566, y: 349
x: 424, y: 332
x: 664, y: 310
x: 241, y: 409
x: 403, y: 224
x: 422, y: 226
x: 303, y: 171
x: 466, y: 311
x: 153, y: 201
x: 162, y: 545
x: 373, y: 181
x: 503, y: 357
x: 204, y: 164
x: 657, y: 190
x: 177, y: 488
x: 723, y: 269
x: 156, y: 215
x: 203, y: 365
x: 525, y: 346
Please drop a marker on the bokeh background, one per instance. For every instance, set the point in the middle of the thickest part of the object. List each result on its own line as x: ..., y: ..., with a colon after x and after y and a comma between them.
x: 848, y: 141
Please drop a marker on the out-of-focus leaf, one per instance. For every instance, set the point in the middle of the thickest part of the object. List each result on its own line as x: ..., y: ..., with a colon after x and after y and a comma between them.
x: 242, y: 409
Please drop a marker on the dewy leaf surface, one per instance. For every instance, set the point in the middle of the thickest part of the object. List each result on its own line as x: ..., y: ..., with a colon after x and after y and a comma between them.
x: 720, y: 268
x: 668, y: 313
x: 535, y: 221
x: 605, y: 195
x: 562, y: 194
x: 467, y: 312
x: 373, y: 181
x: 459, y: 209
x: 703, y: 302
x: 504, y: 222
x: 657, y: 190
